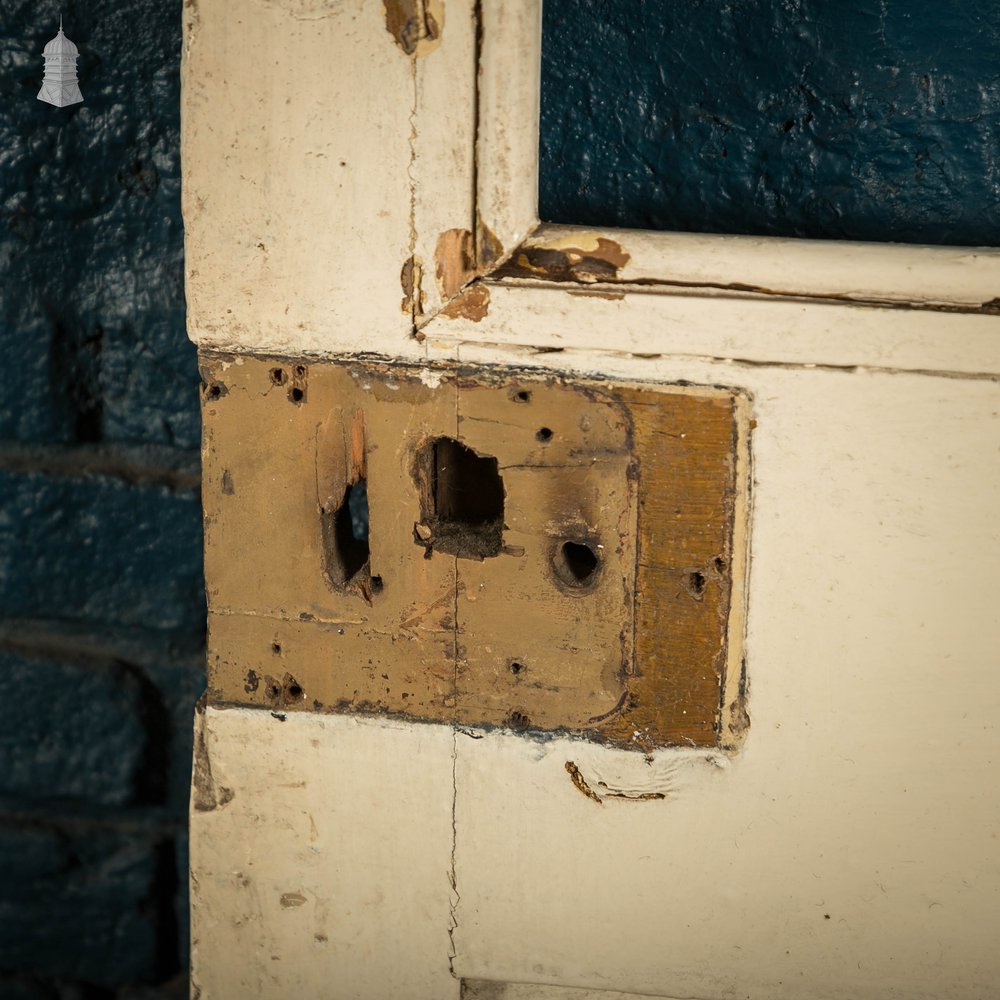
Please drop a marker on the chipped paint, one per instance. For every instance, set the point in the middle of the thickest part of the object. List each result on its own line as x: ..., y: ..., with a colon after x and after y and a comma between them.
x: 489, y: 249
x: 206, y: 795
x: 580, y: 782
x: 430, y: 378
x: 411, y: 277
x: 583, y: 257
x: 415, y: 25
x: 472, y: 304
x: 454, y: 260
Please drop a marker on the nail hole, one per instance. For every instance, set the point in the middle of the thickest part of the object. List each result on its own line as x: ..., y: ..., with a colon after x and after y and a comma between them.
x: 295, y: 394
x: 376, y: 585
x: 720, y: 565
x: 521, y: 396
x: 294, y: 691
x: 544, y: 435
x: 273, y: 691
x: 278, y: 376
x: 575, y: 563
x: 696, y: 584
x: 276, y: 648
x: 516, y: 666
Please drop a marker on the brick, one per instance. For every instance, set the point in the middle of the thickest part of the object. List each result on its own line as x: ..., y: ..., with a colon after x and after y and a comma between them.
x: 100, y: 550
x: 91, y: 234
x: 76, y: 905
x: 72, y: 731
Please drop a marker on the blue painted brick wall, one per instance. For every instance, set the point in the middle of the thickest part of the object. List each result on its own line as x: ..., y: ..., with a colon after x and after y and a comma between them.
x: 832, y: 119
x: 101, y: 595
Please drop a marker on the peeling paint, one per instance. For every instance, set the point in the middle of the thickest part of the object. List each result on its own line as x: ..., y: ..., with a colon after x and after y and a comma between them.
x: 415, y: 25
x: 472, y: 304
x: 489, y: 249
x: 411, y: 277
x: 580, y: 782
x: 430, y: 378
x: 206, y: 795
x: 454, y: 259
x: 580, y: 258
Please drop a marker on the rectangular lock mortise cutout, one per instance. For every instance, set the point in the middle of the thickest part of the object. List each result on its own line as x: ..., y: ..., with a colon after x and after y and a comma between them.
x: 542, y: 554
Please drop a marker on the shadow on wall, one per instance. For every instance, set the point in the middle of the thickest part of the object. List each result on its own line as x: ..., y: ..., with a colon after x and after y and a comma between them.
x: 101, y: 596
x: 858, y: 120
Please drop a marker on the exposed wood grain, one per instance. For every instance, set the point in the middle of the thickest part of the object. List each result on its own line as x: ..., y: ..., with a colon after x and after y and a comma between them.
x: 442, y: 623
x: 687, y: 498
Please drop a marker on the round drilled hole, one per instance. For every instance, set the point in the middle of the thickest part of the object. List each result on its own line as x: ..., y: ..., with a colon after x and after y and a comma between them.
x: 278, y: 376
x: 521, y: 396
x: 544, y: 435
x: 295, y: 394
x: 576, y: 564
x: 515, y: 666
x: 294, y: 691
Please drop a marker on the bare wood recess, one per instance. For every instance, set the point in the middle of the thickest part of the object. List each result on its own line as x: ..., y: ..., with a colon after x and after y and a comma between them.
x: 539, y: 554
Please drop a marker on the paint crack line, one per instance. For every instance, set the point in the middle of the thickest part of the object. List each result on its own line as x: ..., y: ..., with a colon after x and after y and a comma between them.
x: 456, y: 897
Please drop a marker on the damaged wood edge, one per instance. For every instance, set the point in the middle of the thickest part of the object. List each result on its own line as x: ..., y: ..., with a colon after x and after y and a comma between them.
x: 734, y: 718
x: 206, y: 795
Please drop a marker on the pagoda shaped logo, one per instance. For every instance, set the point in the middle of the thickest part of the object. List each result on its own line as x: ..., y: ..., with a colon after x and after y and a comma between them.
x: 59, y: 86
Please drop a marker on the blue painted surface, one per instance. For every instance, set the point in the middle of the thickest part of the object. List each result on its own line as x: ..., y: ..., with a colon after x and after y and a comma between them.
x: 101, y: 594
x: 861, y: 119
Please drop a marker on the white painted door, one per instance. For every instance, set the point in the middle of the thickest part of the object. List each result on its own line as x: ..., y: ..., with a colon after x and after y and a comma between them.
x: 360, y: 178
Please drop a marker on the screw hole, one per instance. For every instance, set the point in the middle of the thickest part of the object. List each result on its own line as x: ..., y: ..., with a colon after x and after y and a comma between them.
x: 295, y: 394
x: 516, y: 666
x: 544, y: 435
x: 576, y: 564
x: 696, y: 584
x: 521, y: 396
x: 278, y: 376
x: 294, y: 691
